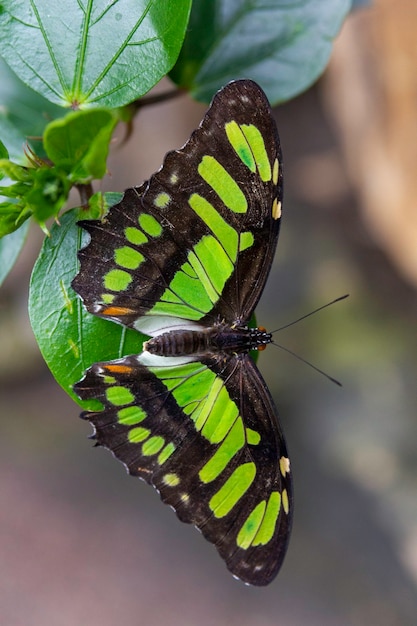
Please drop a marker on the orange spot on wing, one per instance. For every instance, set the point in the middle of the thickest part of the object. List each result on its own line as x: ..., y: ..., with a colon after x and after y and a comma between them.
x: 116, y: 310
x: 118, y: 369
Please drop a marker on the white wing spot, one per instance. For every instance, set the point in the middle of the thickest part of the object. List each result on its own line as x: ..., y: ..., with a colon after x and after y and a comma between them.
x: 284, y: 465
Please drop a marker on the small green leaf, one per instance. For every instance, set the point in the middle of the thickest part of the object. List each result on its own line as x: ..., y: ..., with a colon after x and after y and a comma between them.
x: 10, y: 248
x: 284, y: 46
x: 100, y: 203
x: 101, y: 53
x: 41, y: 191
x: 14, y: 171
x: 48, y: 193
x: 66, y: 333
x: 3, y: 151
x: 79, y: 143
x: 12, y: 216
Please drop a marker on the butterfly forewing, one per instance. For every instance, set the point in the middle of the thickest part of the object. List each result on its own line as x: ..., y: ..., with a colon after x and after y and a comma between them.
x: 194, y: 245
x: 197, y: 241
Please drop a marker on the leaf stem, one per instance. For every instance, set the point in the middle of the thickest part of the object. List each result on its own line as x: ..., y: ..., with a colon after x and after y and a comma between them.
x: 156, y: 98
x: 85, y: 191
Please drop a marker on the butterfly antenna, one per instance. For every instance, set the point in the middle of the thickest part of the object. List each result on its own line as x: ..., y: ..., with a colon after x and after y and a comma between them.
x: 303, y: 317
x: 300, y: 358
x: 297, y: 356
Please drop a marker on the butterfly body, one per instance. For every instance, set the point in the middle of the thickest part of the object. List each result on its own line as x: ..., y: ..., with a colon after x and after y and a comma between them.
x: 184, y: 259
x: 215, y: 339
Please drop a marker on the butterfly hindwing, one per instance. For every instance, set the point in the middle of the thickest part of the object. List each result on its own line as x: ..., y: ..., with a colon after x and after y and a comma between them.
x: 197, y: 241
x: 216, y: 456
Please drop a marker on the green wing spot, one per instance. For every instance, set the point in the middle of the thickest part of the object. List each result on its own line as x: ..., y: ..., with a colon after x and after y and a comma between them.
x: 252, y: 437
x: 238, y: 141
x: 192, y: 297
x: 201, y: 415
x: 223, y: 184
x: 190, y: 408
x: 209, y: 405
x: 131, y: 415
x: 166, y: 453
x: 201, y: 271
x: 226, y: 235
x: 171, y: 480
x: 107, y: 298
x: 221, y: 418
x: 135, y: 236
x: 117, y: 280
x: 267, y: 528
x: 233, y: 489
x: 150, y: 225
x: 257, y: 145
x: 109, y: 380
x: 246, y: 241
x: 153, y: 445
x: 195, y: 381
x: 205, y: 398
x: 118, y: 396
x: 181, y: 376
x: 275, y: 172
x: 162, y: 200
x: 195, y: 303
x: 249, y: 529
x: 138, y: 434
x: 232, y: 443
x: 187, y: 269
x: 128, y: 257
x: 171, y: 297
x: 214, y: 267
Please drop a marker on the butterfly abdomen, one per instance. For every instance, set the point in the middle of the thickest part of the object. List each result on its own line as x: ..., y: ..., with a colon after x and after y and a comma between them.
x: 179, y: 343
x: 209, y: 340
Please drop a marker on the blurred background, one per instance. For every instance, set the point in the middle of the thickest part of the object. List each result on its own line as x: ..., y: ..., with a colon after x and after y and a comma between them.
x: 83, y: 543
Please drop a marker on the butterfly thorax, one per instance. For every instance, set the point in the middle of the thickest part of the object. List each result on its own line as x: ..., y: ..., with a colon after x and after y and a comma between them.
x: 214, y: 339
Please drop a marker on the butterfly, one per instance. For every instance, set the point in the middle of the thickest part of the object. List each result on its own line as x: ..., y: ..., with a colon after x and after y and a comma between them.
x: 184, y: 259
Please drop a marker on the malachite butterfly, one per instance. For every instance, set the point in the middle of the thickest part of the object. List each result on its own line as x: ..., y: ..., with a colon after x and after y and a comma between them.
x: 184, y: 259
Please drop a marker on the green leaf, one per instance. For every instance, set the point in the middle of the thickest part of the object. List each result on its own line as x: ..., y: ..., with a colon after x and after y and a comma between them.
x: 47, y: 194
x: 101, y: 53
x: 14, y: 171
x: 100, y: 203
x: 41, y: 191
x: 10, y: 248
x: 12, y: 139
x: 24, y: 114
x: 79, y: 143
x: 3, y: 151
x: 66, y: 333
x: 12, y: 216
x: 284, y: 46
